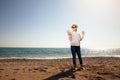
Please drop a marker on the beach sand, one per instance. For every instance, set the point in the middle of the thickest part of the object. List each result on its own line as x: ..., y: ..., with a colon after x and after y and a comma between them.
x: 95, y: 68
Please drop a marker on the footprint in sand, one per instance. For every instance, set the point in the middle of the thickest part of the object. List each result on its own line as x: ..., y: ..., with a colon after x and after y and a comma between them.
x: 43, y: 70
x: 25, y: 69
x: 36, y: 69
x: 13, y: 79
x: 33, y: 70
x: 14, y: 72
x: 1, y: 69
x: 16, y: 69
x: 29, y: 70
x: 6, y: 75
x: 104, y: 73
x: 116, y: 66
x: 99, y: 78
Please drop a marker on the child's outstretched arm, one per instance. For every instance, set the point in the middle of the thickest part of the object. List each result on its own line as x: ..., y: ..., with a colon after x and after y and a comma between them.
x: 83, y: 33
x: 68, y: 32
x: 69, y: 35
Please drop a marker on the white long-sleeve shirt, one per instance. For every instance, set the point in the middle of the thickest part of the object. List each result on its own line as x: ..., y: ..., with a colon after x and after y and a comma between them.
x: 75, y: 39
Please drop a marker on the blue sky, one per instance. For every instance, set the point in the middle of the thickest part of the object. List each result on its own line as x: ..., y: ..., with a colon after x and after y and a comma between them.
x: 43, y: 23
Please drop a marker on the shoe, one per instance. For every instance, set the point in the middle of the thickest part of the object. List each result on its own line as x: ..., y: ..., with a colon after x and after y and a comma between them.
x: 75, y: 69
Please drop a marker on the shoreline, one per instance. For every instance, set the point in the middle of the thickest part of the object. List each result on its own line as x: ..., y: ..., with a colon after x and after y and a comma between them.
x: 96, y: 68
x: 116, y: 56
x: 86, y: 60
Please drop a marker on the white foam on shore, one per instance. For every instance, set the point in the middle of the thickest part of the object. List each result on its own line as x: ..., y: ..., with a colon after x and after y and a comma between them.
x: 58, y: 57
x: 37, y: 58
x: 104, y: 56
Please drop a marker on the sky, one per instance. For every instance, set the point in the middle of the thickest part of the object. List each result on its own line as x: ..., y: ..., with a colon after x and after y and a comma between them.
x: 43, y: 23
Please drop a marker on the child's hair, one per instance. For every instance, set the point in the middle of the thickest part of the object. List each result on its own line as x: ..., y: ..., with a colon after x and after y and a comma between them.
x: 74, y: 25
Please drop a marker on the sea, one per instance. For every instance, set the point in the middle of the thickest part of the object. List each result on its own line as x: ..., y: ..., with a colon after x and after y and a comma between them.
x: 55, y: 53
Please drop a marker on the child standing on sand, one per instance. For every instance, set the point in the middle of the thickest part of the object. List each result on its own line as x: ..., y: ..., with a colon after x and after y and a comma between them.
x: 75, y: 39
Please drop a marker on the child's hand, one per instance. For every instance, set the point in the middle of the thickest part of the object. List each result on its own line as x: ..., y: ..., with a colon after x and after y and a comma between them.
x: 68, y: 32
x: 83, y: 32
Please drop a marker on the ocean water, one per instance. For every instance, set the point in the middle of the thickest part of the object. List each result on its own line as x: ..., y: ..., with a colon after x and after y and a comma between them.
x: 54, y: 53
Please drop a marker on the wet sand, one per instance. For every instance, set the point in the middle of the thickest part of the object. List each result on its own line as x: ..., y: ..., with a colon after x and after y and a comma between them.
x: 95, y: 68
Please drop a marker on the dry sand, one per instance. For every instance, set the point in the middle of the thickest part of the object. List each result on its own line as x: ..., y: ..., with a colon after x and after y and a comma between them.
x: 96, y: 68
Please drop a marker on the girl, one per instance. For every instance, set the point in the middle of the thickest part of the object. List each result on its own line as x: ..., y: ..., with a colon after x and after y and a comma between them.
x: 75, y: 39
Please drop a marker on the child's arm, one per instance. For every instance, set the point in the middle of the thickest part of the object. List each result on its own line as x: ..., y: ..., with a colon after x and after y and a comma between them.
x: 68, y: 32
x: 69, y: 35
x: 83, y: 33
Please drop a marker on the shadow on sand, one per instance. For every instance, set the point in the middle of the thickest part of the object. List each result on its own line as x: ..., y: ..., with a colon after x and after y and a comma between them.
x: 68, y: 73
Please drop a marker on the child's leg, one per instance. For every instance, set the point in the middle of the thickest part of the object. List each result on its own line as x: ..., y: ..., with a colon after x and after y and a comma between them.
x: 79, y: 55
x: 73, y: 55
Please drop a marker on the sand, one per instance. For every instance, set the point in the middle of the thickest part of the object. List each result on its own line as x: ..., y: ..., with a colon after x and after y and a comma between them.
x: 95, y: 68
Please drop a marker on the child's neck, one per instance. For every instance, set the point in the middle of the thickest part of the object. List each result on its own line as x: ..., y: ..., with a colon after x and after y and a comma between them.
x: 74, y: 30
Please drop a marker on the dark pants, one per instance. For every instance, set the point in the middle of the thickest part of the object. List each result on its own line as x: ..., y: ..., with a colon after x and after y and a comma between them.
x: 76, y: 50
